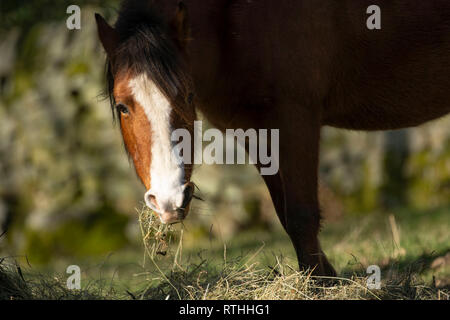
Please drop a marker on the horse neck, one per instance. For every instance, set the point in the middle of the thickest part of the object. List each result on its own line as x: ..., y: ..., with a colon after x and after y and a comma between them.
x: 208, y: 21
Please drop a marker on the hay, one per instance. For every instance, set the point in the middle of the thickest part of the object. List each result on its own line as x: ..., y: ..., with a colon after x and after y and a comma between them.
x: 244, y: 278
x: 156, y: 236
x: 241, y: 278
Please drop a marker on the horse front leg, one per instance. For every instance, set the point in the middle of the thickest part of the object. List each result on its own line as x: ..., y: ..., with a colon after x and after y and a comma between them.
x: 294, y: 191
x: 300, y: 216
x: 302, y: 225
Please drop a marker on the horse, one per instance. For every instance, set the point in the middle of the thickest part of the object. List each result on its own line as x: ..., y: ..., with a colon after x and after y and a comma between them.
x: 295, y: 65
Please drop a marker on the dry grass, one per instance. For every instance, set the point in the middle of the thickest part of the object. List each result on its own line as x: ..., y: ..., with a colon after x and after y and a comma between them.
x: 235, y: 280
x: 245, y: 279
x: 17, y: 285
x: 169, y: 275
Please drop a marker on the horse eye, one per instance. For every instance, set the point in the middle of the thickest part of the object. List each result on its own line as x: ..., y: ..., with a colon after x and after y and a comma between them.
x: 122, y: 109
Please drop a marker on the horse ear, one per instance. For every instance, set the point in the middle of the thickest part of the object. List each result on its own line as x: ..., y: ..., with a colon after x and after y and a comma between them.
x: 107, y: 34
x: 180, y: 25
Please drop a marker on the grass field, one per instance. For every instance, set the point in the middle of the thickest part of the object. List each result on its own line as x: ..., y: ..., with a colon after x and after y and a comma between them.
x: 412, y: 249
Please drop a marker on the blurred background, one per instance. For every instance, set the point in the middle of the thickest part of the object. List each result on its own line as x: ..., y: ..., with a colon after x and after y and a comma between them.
x: 68, y: 190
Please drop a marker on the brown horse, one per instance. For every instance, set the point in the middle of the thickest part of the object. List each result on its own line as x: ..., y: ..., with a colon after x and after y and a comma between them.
x: 296, y: 65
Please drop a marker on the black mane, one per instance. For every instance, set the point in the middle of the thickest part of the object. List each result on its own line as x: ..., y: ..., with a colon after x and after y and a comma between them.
x: 146, y: 46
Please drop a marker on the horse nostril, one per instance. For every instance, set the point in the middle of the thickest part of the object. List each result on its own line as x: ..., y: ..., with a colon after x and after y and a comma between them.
x: 150, y: 199
x: 187, y: 195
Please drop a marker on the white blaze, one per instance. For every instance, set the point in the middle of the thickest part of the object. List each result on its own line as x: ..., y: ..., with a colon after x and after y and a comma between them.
x: 167, y: 176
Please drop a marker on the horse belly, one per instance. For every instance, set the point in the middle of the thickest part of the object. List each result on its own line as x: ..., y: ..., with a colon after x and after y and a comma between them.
x: 373, y: 118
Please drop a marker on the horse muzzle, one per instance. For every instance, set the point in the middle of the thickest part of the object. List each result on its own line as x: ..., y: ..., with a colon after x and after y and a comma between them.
x: 168, y: 212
